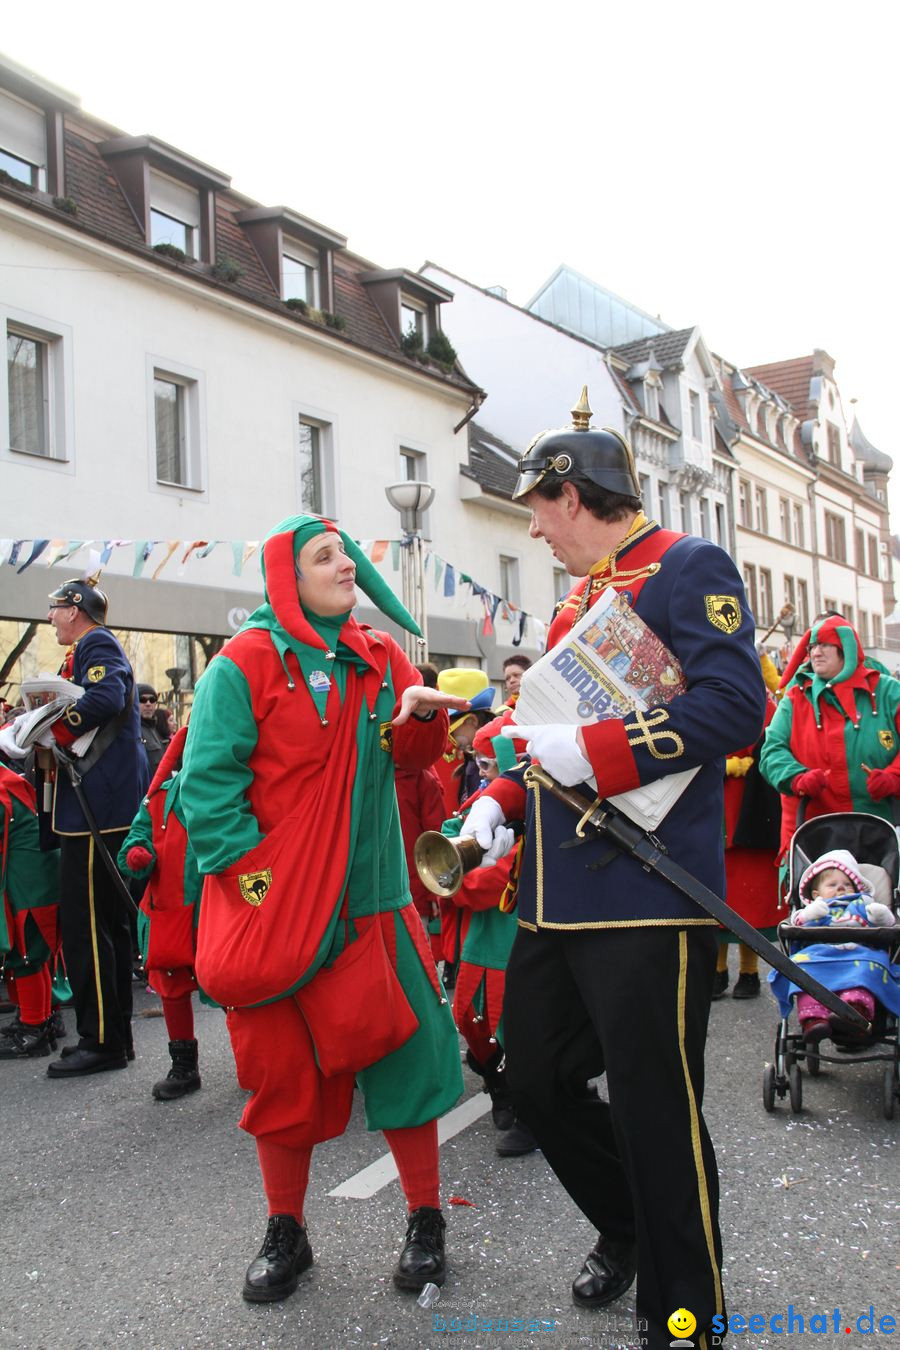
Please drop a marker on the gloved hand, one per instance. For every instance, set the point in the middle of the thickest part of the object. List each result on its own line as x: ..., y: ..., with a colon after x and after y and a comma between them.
x: 881, y: 783
x: 486, y: 823
x: 736, y: 766
x: 811, y: 783
x: 556, y: 748
x: 816, y: 909
x: 138, y: 857
x: 880, y: 914
x: 8, y: 743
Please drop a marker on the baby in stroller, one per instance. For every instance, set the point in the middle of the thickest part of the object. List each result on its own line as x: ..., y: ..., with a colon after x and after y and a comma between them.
x: 834, y: 892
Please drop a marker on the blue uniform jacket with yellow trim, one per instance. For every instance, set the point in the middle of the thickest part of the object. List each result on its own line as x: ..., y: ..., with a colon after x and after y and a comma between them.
x: 117, y: 782
x: 696, y: 604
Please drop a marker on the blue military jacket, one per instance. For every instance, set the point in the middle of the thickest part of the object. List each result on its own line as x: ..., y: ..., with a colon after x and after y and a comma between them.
x: 116, y: 784
x: 690, y: 593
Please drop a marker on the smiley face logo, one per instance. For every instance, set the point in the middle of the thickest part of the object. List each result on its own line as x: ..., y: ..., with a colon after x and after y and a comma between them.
x: 682, y: 1323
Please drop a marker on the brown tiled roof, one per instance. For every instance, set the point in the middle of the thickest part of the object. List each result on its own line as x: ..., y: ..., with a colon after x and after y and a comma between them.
x: 668, y: 347
x: 791, y: 380
x: 490, y: 469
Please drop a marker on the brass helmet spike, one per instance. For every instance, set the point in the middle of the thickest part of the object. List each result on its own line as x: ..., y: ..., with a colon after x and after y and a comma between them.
x: 581, y: 413
x: 93, y: 579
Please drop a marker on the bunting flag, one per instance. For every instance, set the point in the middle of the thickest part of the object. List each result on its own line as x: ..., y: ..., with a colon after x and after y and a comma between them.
x: 207, y: 550
x: 14, y: 552
x: 395, y: 554
x: 449, y: 579
x: 37, y: 548
x: 237, y: 554
x: 171, y: 546
x: 249, y: 550
x: 142, y: 550
x: 198, y: 543
x: 438, y: 571
x: 379, y: 549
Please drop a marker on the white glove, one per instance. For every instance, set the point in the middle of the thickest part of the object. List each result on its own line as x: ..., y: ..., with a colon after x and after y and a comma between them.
x: 504, y: 842
x: 816, y: 909
x: 557, y: 750
x: 484, y: 818
x: 880, y: 914
x: 8, y: 743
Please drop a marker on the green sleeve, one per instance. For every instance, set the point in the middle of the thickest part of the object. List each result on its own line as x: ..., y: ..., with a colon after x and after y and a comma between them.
x: 140, y: 835
x: 216, y: 774
x: 776, y: 763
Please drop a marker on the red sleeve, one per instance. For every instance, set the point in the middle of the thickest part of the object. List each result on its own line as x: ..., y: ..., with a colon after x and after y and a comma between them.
x: 612, y: 758
x: 417, y: 744
x: 61, y: 733
x: 483, y: 888
x: 431, y: 801
x: 510, y: 794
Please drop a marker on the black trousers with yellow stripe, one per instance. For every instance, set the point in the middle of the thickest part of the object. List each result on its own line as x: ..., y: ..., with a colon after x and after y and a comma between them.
x: 96, y: 941
x: 633, y: 1003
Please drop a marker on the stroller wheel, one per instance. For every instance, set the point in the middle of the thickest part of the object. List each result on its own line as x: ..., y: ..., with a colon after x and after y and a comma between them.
x: 890, y: 1091
x: 769, y: 1087
x: 813, y: 1063
x: 795, y: 1087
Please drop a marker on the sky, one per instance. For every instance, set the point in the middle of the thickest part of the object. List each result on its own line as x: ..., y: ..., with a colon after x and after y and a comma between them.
x: 731, y: 166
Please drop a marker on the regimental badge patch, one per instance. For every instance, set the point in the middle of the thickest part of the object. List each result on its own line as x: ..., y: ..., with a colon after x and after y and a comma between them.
x: 254, y: 886
x: 386, y: 734
x: 72, y: 717
x: 723, y: 612
x: 96, y: 673
x: 887, y: 739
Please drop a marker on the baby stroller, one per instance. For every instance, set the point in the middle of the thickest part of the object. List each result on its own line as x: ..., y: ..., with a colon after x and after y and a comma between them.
x: 873, y: 842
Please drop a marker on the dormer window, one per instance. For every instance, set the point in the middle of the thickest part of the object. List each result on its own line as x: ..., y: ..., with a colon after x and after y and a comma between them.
x: 409, y: 304
x: 414, y: 319
x: 174, y: 214
x: 23, y: 141
x: 300, y: 274
x: 651, y: 399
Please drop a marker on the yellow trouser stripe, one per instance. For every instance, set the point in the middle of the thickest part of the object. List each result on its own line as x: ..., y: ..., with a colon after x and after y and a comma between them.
x: 100, y: 1032
x: 695, y: 1125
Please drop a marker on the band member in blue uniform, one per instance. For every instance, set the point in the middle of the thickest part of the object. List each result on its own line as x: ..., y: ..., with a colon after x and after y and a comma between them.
x: 94, y: 918
x: 612, y: 968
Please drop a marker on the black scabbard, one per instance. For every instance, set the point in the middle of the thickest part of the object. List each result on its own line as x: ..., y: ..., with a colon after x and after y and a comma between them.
x: 628, y: 837
x: 90, y: 820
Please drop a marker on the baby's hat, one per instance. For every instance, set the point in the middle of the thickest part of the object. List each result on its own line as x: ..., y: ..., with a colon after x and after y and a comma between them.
x: 841, y: 859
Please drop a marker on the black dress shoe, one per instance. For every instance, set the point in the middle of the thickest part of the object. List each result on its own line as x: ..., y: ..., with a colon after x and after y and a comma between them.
x: 82, y: 1061
x: 720, y: 984
x: 516, y: 1141
x: 747, y: 986
x: 281, y: 1260
x: 69, y: 1050
x: 422, y: 1258
x: 606, y: 1274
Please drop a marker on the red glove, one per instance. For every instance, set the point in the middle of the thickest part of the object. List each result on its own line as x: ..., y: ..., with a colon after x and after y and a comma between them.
x: 138, y: 857
x: 882, y: 783
x: 812, y: 783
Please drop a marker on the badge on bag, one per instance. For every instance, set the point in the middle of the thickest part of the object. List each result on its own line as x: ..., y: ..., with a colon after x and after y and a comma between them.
x: 254, y: 886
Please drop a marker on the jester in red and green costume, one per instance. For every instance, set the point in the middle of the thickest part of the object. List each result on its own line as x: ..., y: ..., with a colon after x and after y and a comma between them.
x: 835, y: 738
x: 29, y: 918
x: 304, y: 714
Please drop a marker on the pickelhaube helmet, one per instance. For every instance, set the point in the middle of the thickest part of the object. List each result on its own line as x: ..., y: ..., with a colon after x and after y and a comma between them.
x: 85, y: 594
x: 580, y: 451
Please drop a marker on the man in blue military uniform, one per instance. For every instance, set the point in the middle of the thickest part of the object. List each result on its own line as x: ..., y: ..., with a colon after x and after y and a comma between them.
x: 96, y: 935
x: 612, y: 968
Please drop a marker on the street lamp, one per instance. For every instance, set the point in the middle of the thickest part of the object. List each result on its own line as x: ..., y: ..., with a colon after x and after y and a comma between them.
x: 788, y: 623
x: 412, y: 499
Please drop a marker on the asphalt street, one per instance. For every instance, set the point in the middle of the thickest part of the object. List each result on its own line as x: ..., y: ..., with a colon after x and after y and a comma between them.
x: 128, y: 1222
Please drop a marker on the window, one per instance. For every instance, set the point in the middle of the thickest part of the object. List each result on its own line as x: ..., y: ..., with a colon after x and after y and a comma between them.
x: 651, y: 399
x: 863, y: 629
x: 300, y: 275
x: 309, y: 447
x: 413, y: 319
x: 509, y: 579
x: 802, y: 605
x: 696, y: 419
x: 833, y: 442
x: 830, y: 604
x: 746, y: 516
x: 859, y: 540
x: 799, y: 532
x: 644, y: 485
x: 562, y: 583
x: 23, y: 141
x: 684, y: 507
x: 704, y: 518
x: 28, y: 384
x: 174, y: 214
x: 876, y: 630
x: 762, y: 510
x: 784, y: 514
x: 765, y: 596
x: 176, y: 425
x: 790, y: 593
x: 874, y: 569
x: 412, y: 463
x: 750, y: 585
x: 847, y: 611
x: 664, y: 517
x: 720, y: 525
x: 835, y: 537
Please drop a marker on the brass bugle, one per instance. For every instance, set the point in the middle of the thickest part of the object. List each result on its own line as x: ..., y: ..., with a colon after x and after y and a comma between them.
x: 442, y: 863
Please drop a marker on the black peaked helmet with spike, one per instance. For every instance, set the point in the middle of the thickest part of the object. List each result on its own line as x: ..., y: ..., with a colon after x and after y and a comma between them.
x: 85, y: 594
x: 580, y: 451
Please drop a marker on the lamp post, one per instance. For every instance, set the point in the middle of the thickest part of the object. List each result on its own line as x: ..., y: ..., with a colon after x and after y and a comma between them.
x: 412, y: 499
x: 788, y: 623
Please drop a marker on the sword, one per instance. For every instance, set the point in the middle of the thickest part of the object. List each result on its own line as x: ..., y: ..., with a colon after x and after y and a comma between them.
x: 627, y: 837
x: 75, y: 779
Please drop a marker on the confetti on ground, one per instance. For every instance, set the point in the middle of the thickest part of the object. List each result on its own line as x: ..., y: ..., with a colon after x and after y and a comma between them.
x: 459, y: 1200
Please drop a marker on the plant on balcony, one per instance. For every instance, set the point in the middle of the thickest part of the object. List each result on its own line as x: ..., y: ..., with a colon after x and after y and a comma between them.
x: 66, y: 204
x: 297, y: 305
x: 411, y: 342
x: 336, y: 321
x: 171, y: 251
x: 441, y: 350
x: 226, y: 269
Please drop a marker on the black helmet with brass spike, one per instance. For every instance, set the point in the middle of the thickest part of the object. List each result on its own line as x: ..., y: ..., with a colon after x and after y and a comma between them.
x: 85, y: 594
x: 579, y: 451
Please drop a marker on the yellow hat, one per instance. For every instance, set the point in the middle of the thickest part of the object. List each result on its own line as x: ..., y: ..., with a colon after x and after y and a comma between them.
x: 462, y: 681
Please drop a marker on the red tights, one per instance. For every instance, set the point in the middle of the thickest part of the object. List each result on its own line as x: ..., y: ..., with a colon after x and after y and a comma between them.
x: 32, y: 994
x: 179, y: 1015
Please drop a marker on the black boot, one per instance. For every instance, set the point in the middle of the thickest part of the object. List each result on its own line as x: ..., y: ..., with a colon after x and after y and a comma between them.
x: 502, y: 1113
x: 606, y: 1274
x: 516, y: 1141
x: 57, y: 1026
x: 282, y: 1258
x: 183, y: 1077
x: 422, y: 1258
x: 26, y: 1042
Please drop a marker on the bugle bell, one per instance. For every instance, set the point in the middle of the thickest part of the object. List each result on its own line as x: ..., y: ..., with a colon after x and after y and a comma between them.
x: 442, y: 863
